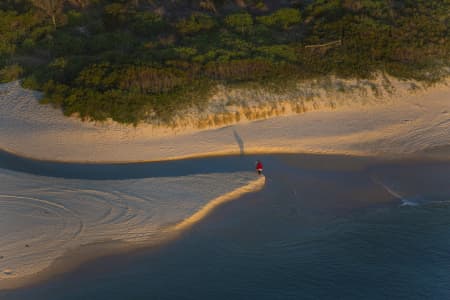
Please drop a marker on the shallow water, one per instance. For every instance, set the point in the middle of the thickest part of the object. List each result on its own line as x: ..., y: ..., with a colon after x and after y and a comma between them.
x: 322, y: 228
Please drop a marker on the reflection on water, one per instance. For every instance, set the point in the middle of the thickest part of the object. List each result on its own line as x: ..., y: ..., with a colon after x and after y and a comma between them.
x: 312, y: 233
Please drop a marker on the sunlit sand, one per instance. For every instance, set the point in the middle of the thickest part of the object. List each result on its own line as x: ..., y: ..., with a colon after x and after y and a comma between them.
x: 42, y: 218
x: 407, y: 123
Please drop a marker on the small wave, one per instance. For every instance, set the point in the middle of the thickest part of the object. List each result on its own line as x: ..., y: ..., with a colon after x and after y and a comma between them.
x: 417, y: 200
x: 406, y: 202
x: 439, y: 202
x: 426, y: 203
x: 414, y: 201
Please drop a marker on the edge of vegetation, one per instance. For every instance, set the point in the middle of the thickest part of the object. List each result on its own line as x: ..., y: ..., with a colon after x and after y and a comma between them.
x: 133, y: 61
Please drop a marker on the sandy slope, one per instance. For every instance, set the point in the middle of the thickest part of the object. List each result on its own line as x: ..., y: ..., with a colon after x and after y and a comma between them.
x: 408, y: 124
x: 41, y: 218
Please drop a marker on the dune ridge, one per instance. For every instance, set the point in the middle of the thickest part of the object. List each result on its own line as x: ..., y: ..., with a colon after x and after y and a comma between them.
x: 402, y: 118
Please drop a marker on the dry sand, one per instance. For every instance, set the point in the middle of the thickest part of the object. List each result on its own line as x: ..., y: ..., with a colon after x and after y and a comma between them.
x: 409, y: 123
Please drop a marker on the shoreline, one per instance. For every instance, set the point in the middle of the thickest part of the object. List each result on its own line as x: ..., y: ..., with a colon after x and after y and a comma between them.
x: 415, y: 127
x: 303, y: 195
x: 428, y: 155
x: 73, y: 257
x: 409, y: 124
x: 82, y: 255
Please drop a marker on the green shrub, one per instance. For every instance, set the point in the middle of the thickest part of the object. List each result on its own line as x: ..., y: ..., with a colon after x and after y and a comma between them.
x: 14, y: 28
x: 30, y: 82
x: 195, y: 23
x: 66, y: 44
x: 76, y: 18
x: 239, y: 70
x: 116, y: 15
x: 185, y: 52
x: 55, y: 93
x: 119, y: 60
x: 278, y: 52
x: 10, y: 73
x: 241, y: 22
x: 147, y: 23
x: 325, y: 7
x: 145, y: 79
x: 283, y: 18
x: 97, y: 76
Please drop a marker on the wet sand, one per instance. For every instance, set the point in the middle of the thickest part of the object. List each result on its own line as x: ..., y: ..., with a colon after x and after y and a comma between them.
x: 49, y: 210
x: 313, y: 188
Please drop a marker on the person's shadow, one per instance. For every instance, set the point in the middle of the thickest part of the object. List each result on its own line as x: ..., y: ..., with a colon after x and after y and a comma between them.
x: 239, y: 141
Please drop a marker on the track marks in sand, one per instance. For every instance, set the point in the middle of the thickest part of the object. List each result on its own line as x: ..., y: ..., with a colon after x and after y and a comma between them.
x: 33, y: 227
x: 41, y: 218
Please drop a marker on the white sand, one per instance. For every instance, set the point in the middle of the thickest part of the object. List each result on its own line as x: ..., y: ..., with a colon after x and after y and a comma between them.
x: 41, y: 218
x: 409, y: 123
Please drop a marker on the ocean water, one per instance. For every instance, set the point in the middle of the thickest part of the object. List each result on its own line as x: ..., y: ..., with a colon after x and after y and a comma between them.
x: 322, y: 228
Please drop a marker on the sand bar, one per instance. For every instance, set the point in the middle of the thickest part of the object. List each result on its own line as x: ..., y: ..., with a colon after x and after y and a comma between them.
x: 42, y: 218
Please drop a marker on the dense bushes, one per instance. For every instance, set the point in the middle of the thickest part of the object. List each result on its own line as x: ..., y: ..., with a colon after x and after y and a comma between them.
x: 119, y: 60
x: 146, y: 80
x: 238, y: 70
x: 240, y: 22
x: 283, y: 18
x: 14, y: 29
x: 10, y: 73
x: 196, y: 22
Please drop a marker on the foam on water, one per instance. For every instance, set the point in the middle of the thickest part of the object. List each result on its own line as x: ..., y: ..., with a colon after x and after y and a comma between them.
x: 404, y: 201
x: 415, y: 200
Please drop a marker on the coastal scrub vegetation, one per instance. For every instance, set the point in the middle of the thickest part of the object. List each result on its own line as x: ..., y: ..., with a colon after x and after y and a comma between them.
x: 145, y: 60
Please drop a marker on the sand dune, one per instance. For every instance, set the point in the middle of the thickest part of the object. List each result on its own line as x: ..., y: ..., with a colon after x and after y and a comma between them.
x: 408, y: 123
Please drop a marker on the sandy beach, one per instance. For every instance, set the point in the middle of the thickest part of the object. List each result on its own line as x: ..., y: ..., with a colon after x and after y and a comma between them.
x: 42, y: 218
x: 410, y: 122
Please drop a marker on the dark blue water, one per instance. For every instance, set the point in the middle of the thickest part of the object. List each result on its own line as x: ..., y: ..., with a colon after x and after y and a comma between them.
x: 322, y: 228
x: 126, y: 171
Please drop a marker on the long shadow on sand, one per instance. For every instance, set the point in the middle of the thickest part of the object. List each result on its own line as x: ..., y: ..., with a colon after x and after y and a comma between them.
x: 239, y: 141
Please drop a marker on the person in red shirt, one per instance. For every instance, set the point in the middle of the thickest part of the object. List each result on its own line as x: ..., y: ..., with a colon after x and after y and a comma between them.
x: 259, y: 167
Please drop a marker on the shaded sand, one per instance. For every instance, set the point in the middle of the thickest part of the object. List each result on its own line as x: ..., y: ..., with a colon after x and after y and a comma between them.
x: 42, y: 218
x: 408, y: 124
